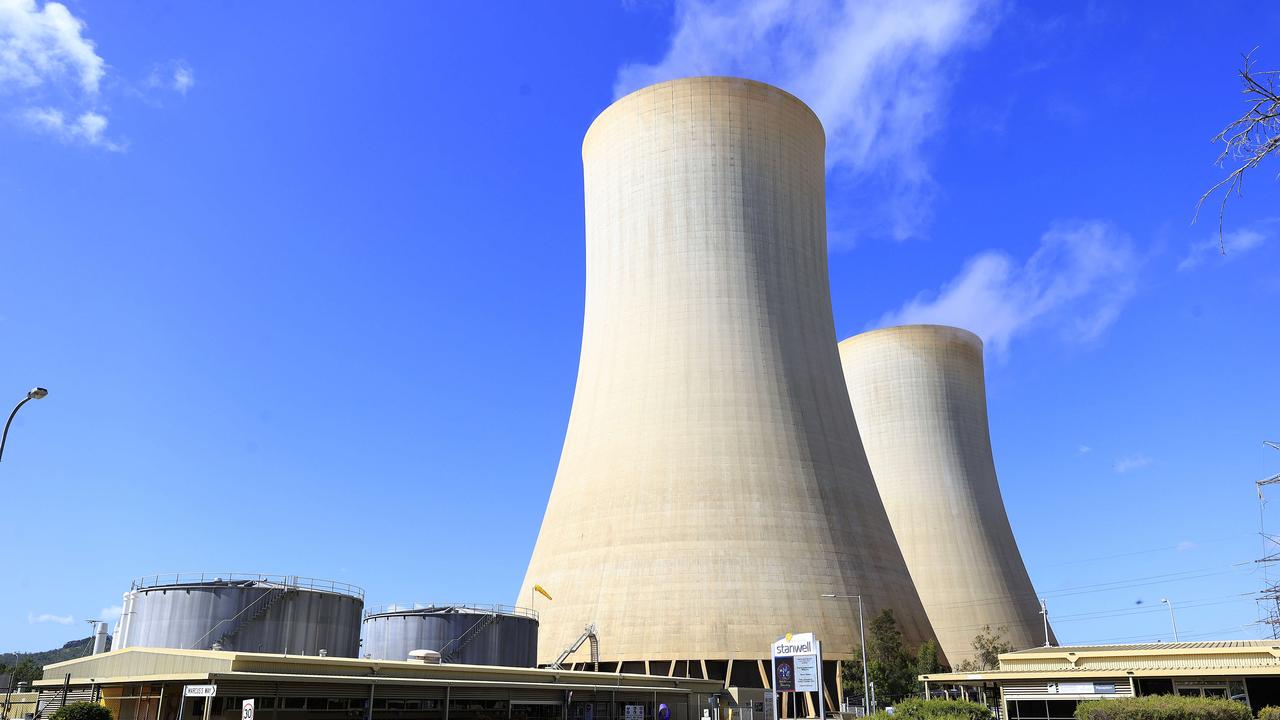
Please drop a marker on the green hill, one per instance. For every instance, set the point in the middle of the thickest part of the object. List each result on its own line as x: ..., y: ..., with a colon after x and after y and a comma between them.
x: 69, y: 651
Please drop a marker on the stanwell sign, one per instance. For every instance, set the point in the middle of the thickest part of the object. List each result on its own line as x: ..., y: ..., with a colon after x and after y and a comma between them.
x: 797, y: 666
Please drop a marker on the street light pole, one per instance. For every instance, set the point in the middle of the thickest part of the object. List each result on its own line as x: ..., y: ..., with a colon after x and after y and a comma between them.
x: 1172, y: 621
x: 94, y: 625
x: 34, y: 394
x: 1044, y: 610
x: 862, y: 636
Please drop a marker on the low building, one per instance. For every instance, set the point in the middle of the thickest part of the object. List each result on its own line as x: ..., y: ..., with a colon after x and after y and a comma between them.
x: 1047, y: 683
x: 17, y: 705
x: 148, y: 684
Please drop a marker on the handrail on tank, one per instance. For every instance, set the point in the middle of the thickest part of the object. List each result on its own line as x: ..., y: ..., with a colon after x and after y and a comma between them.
x: 494, y: 608
x: 288, y: 581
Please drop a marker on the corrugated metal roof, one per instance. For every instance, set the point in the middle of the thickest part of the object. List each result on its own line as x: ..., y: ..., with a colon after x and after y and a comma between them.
x: 1170, y: 647
x: 173, y: 664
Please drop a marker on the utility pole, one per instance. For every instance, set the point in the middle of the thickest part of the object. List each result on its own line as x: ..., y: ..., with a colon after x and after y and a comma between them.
x: 1270, y: 594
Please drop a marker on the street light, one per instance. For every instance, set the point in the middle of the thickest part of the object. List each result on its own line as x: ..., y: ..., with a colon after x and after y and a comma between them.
x: 1172, y: 620
x: 35, y: 394
x: 93, y: 624
x: 862, y: 635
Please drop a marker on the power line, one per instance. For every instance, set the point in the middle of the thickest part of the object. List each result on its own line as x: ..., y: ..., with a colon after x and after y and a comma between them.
x: 1108, y: 586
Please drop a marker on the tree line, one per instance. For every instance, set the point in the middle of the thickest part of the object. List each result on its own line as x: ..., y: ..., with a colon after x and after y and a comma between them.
x: 893, y: 668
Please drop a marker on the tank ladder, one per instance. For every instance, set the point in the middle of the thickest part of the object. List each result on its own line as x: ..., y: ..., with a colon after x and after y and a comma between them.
x: 468, y: 637
x: 272, y: 596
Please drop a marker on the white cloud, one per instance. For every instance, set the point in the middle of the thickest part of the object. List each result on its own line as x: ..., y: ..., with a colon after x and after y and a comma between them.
x: 33, y: 618
x: 89, y: 128
x: 1084, y: 450
x: 1130, y: 463
x: 1078, y: 280
x: 175, y: 75
x: 110, y: 613
x: 43, y: 44
x: 873, y: 71
x: 1233, y: 243
x: 183, y: 77
x: 1186, y: 545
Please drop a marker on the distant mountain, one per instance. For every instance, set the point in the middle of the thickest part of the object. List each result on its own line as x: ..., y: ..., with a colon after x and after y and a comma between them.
x: 69, y: 651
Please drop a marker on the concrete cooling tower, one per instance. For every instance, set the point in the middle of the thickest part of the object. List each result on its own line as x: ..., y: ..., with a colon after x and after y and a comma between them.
x: 712, y: 486
x: 920, y: 401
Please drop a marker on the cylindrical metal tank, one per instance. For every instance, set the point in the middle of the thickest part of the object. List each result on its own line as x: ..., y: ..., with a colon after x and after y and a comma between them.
x: 712, y: 488
x: 920, y: 399
x: 466, y: 634
x: 242, y: 612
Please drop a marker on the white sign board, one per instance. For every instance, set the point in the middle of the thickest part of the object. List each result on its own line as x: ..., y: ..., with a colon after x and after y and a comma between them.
x: 633, y: 712
x: 246, y: 709
x: 797, y: 663
x: 200, y: 690
x: 806, y: 673
x: 1071, y: 688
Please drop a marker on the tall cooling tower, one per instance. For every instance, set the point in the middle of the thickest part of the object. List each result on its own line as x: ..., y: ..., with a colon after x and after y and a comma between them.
x: 712, y: 486
x: 920, y: 401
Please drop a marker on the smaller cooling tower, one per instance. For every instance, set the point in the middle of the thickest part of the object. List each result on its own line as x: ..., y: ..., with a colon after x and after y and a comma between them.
x: 920, y: 400
x: 242, y: 612
x: 466, y: 634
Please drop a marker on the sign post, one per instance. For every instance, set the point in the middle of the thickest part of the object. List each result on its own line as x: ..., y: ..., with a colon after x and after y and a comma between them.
x: 797, y: 667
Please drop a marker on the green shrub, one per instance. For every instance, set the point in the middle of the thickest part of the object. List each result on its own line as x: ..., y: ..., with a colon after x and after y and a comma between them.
x: 1270, y: 712
x: 82, y: 711
x: 1163, y: 707
x: 914, y: 709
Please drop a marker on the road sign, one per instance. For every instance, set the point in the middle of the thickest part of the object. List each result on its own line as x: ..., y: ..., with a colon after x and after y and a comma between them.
x: 246, y: 709
x: 199, y: 690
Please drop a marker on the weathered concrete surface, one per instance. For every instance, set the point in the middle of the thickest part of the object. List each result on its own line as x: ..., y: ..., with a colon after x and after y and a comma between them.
x: 920, y: 400
x: 712, y: 485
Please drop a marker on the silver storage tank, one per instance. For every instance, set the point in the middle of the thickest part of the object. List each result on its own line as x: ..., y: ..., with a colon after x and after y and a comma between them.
x: 243, y: 612
x: 461, y: 633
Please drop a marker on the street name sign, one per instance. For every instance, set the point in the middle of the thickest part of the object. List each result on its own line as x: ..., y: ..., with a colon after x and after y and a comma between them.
x: 199, y: 690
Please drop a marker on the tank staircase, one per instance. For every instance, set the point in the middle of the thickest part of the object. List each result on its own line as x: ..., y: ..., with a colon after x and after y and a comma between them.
x: 260, y: 608
x: 588, y: 636
x: 469, y: 637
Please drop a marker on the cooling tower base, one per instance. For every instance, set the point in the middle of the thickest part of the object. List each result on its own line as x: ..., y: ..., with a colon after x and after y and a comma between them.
x: 747, y: 679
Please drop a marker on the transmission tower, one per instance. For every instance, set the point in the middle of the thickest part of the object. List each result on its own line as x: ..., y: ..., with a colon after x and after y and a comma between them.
x: 1269, y: 598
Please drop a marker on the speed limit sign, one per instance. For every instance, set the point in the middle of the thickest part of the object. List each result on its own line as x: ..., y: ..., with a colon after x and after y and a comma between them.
x: 246, y: 710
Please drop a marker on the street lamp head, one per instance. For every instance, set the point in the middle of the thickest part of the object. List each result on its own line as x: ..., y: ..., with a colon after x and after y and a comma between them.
x: 37, y: 393
x: 1164, y: 600
x: 828, y: 595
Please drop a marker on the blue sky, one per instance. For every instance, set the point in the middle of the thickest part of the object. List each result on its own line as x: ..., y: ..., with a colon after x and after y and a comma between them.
x: 305, y: 281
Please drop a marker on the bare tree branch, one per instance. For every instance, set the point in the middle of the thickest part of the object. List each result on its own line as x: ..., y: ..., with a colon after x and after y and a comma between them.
x: 1248, y: 139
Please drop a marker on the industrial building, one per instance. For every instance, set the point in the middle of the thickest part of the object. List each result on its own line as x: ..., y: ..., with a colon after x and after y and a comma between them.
x: 711, y: 488
x: 459, y: 633
x: 919, y: 395
x: 242, y: 611
x: 148, y: 684
x: 1046, y: 683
